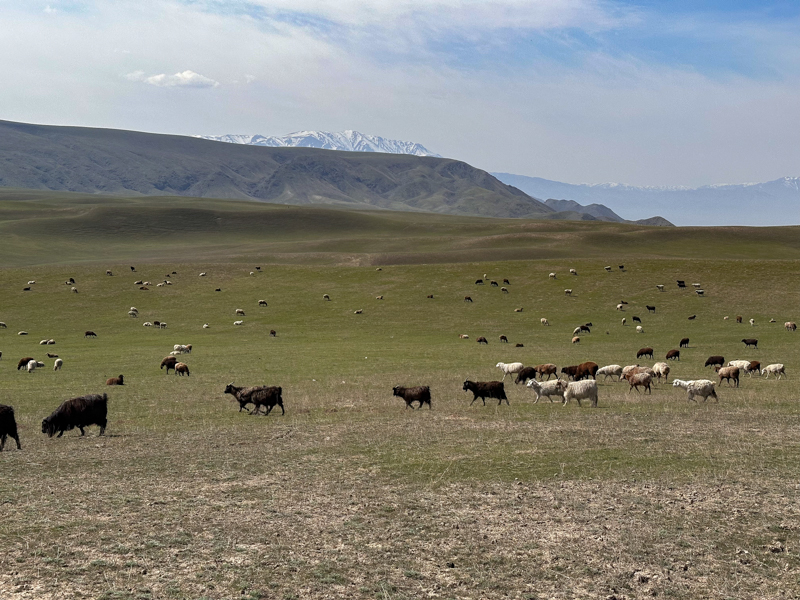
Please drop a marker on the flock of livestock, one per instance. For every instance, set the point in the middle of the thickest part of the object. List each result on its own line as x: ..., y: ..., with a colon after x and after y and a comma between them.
x: 579, y: 382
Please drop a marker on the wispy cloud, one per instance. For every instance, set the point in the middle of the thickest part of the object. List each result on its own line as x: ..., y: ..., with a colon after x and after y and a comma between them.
x: 186, y: 78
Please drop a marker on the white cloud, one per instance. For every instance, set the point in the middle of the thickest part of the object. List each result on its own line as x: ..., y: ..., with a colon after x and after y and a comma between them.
x: 183, y: 79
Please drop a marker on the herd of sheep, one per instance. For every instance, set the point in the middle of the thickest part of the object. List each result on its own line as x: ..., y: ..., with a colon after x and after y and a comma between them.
x: 92, y: 409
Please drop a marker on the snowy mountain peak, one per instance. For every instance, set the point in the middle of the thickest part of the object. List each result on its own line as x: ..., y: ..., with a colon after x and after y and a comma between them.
x: 348, y: 140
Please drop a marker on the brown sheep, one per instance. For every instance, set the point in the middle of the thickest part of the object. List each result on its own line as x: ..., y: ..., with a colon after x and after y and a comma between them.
x: 116, y: 381
x: 169, y: 362
x: 644, y: 352
x: 674, y: 355
x: 684, y: 343
x: 182, y: 368
x: 728, y: 373
x: 421, y: 394
x: 503, y: 339
x: 23, y: 362
x: 546, y: 369
x: 483, y: 340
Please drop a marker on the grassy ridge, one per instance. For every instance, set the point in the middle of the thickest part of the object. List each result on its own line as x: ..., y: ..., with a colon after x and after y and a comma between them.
x: 350, y: 495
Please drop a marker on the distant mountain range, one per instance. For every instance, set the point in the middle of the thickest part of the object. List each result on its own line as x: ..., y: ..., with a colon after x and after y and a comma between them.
x: 771, y: 203
x: 349, y: 140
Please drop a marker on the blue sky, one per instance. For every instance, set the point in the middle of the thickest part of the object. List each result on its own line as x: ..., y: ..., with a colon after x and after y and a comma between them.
x: 646, y: 93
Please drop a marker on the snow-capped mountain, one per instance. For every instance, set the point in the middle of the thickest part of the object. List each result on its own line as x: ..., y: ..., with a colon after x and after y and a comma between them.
x: 771, y: 203
x: 350, y: 141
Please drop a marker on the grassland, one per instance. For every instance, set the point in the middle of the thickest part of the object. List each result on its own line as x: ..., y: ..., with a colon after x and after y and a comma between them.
x: 349, y: 495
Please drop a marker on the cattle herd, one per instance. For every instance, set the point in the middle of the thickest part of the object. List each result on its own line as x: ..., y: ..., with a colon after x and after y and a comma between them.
x: 578, y: 382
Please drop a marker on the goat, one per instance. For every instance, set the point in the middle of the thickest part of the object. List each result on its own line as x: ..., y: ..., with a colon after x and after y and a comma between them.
x: 548, y: 388
x: 421, y: 394
x: 79, y: 412
x: 486, y: 389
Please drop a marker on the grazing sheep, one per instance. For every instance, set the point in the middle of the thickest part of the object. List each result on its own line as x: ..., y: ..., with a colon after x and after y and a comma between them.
x: 548, y: 369
x: 728, y: 373
x: 3, y: 325
x: 725, y: 318
x: 525, y: 374
x: 493, y: 283
x: 660, y: 288
x: 552, y: 275
x: 639, y: 329
x: 206, y: 326
x: 649, y: 308
x: 181, y: 369
x: 139, y: 282
x: 754, y: 366
x: 772, y: 321
x: 548, y: 388
x: 421, y: 394
x: 788, y: 326
x: 133, y: 269
x: 72, y: 289
x: 162, y: 325
x: 23, y: 362
x: 252, y: 273
x: 515, y: 346
x: 378, y: 297
x: 169, y: 362
x: 49, y: 355
x: 28, y: 289
x: 58, y: 364
x: 464, y: 336
x: 504, y: 290
x: 217, y: 289
x: 31, y: 366
x: 430, y: 297
x: 379, y: 269
x: 699, y: 292
x: 486, y: 389
x: 776, y: 369
x: 576, y: 331
x: 91, y: 334
x: 750, y: 342
x: 640, y: 379
x: 79, y: 412
x: 674, y: 355
x: 518, y: 309
x: 503, y: 339
x: 573, y: 272
x: 620, y: 307
x: 622, y: 302
x: 610, y: 371
x: 738, y: 318
x: 482, y: 340
x: 50, y: 342
x: 202, y: 274
x: 576, y: 340
x: 273, y: 333
x: 715, y: 360
x: 543, y: 321
x: 644, y: 352
x: 681, y: 283
x: 326, y: 297
x: 581, y: 390
x: 258, y: 396
x: 116, y: 381
x: 586, y: 370
x: 696, y: 285
x: 358, y: 312
x: 699, y: 387
x: 159, y: 285
x: 752, y: 322
x: 238, y: 322
x: 147, y: 324
x: 22, y: 333
x: 568, y: 292
x: 742, y: 365
x: 183, y: 349
x: 467, y: 299
x: 624, y: 320
x: 240, y: 312
x: 684, y: 343
x: 510, y: 368
x: 621, y: 267
x: 262, y: 302
x: 608, y: 269
x: 43, y: 343
x: 8, y: 426
x: 506, y: 282
x: 661, y: 369
x: 693, y: 317
x: 176, y: 353
x: 133, y: 314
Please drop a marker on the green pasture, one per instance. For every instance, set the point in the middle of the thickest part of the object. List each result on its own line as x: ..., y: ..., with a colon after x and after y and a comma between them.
x: 351, y: 495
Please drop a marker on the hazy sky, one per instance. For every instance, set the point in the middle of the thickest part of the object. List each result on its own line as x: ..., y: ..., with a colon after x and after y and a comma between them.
x: 684, y: 92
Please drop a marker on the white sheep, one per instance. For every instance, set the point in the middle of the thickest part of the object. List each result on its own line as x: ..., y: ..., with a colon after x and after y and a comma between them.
x: 326, y: 297
x: 133, y: 314
x: 543, y: 321
x: 238, y: 322
x: 697, y: 387
x: 43, y: 343
x: 262, y: 302
x: 205, y: 325
x: 134, y: 309
x: 175, y: 353
x: 624, y: 320
x: 358, y: 312
x: 32, y: 364
x: 58, y: 364
x: 661, y: 369
x: 252, y: 273
x: 742, y: 365
x: 610, y: 371
x: 552, y: 275
x: 608, y: 269
x: 202, y: 274
x: 31, y: 282
x: 239, y: 311
x: 74, y: 289
x: 627, y: 369
x: 660, y: 288
x: 147, y: 324
x: 162, y: 325
x: 573, y: 271
x: 699, y: 292
x: 639, y: 329
x: 3, y: 325
x: 159, y: 285
x: 697, y: 285
x: 568, y: 292
x: 464, y: 336
x: 752, y: 322
x: 777, y: 369
x: 581, y: 390
x: 576, y: 331
x: 510, y: 368
x: 547, y: 388
x: 22, y: 333
x: 620, y: 307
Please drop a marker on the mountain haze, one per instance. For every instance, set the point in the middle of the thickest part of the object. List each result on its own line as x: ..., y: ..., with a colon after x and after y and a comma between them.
x: 110, y: 161
x: 349, y: 141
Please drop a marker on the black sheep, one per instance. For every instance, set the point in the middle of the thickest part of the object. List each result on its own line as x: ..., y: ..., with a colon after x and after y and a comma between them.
x: 8, y: 426
x: 78, y: 412
x: 421, y: 394
x: 526, y: 374
x: 486, y: 389
x: 258, y: 396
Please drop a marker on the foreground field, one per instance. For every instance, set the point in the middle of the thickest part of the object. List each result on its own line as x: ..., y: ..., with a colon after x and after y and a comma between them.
x: 349, y: 495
